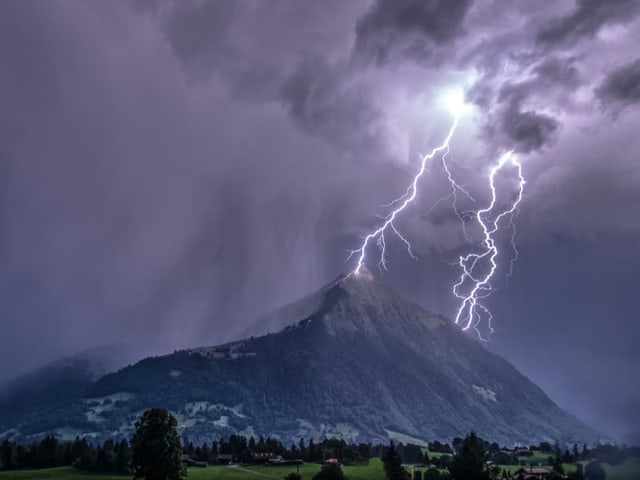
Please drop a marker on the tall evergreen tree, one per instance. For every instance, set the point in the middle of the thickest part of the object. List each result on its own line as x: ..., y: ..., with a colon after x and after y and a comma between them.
x: 156, y: 447
x: 393, y: 469
x: 6, y: 455
x: 594, y: 471
x: 578, y: 474
x: 122, y: 457
x: 432, y: 474
x: 469, y: 463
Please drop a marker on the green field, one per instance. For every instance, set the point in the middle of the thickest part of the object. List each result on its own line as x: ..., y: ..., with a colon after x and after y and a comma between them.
x: 60, y: 473
x: 629, y: 470
x: 373, y: 471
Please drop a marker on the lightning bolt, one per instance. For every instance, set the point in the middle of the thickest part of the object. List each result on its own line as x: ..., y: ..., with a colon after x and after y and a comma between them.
x: 478, y: 268
x: 455, y: 188
x: 378, y: 235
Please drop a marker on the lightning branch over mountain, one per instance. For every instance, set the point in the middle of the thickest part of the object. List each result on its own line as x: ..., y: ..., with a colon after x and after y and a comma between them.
x: 478, y: 267
x: 378, y: 235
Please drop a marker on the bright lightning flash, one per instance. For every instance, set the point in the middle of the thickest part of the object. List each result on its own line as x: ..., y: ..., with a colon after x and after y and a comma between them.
x: 455, y: 104
x: 479, y: 268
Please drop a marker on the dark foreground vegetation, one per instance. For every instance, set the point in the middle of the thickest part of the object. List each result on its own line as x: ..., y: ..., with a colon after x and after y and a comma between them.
x: 156, y: 452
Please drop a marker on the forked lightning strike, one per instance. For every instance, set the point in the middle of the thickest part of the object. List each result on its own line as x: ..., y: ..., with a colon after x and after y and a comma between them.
x: 477, y: 268
x: 379, y: 234
x: 471, y: 311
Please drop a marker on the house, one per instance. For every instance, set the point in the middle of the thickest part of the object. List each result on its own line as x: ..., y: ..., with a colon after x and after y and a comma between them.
x: 280, y: 462
x: 523, y: 452
x: 190, y: 462
x: 532, y: 473
x: 224, y: 458
x: 262, y: 457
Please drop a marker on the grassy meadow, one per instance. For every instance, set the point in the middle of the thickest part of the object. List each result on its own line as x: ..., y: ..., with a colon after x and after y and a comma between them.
x: 629, y: 470
x: 373, y: 471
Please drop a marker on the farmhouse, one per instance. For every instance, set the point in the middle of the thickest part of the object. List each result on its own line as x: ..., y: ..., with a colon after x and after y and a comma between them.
x: 224, y: 458
x: 190, y: 462
x: 523, y: 452
x: 532, y: 473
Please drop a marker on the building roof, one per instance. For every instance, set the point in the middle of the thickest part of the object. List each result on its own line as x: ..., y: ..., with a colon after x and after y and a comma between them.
x: 534, y: 470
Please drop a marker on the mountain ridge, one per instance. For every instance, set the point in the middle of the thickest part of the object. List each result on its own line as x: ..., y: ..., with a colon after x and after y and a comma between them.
x: 363, y: 364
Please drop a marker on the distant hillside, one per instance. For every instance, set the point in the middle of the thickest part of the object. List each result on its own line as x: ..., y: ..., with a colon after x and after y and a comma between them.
x: 361, y: 363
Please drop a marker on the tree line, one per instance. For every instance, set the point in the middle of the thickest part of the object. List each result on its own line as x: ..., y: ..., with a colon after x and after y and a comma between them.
x: 241, y: 449
x: 108, y: 457
x: 156, y: 451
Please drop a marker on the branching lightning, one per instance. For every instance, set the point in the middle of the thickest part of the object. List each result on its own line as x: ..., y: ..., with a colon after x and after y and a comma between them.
x: 402, y: 202
x: 478, y: 268
x: 455, y: 188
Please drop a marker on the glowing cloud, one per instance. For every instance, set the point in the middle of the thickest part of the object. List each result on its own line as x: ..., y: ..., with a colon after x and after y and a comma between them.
x: 478, y: 268
x: 454, y: 102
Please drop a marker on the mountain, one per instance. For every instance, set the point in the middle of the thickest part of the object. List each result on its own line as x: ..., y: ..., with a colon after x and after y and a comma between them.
x: 361, y: 363
x: 66, y: 376
x: 40, y: 392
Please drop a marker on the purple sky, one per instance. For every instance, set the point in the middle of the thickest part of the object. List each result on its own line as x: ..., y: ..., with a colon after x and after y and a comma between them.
x: 170, y: 170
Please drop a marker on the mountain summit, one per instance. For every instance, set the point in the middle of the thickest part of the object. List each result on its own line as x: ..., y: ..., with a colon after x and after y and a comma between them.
x: 353, y: 359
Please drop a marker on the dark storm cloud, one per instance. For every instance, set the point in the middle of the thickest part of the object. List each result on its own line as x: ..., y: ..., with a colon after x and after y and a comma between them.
x: 125, y: 203
x: 325, y: 100
x: 244, y: 43
x: 332, y: 99
x: 622, y: 85
x: 512, y: 116
x: 586, y: 19
x: 527, y: 130
x: 555, y: 70
x: 508, y: 121
x: 140, y: 204
x: 203, y: 36
x: 171, y: 169
x: 198, y: 32
x: 409, y: 28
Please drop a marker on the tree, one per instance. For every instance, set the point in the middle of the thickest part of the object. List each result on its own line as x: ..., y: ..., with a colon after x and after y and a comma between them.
x: 555, y: 475
x: 412, y: 454
x: 557, y: 466
x: 122, y: 457
x: 594, y: 471
x: 156, y: 447
x: 578, y: 474
x: 393, y: 469
x: 330, y: 471
x: 469, y: 463
x: 6, y: 455
x: 47, y: 449
x: 432, y: 474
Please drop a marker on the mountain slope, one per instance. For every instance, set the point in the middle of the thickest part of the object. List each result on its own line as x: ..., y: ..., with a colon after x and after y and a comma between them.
x: 52, y: 387
x: 363, y: 364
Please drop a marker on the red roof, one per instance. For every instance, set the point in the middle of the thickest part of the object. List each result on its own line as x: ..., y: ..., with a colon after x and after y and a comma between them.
x: 536, y: 470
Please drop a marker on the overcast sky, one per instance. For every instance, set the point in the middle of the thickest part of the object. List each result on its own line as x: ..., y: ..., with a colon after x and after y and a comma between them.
x: 170, y: 170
